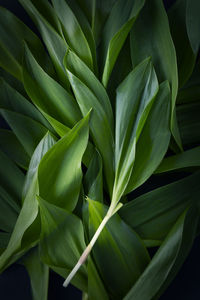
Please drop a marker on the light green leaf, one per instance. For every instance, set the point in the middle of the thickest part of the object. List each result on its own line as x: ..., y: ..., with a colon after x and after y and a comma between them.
x: 93, y: 180
x: 11, y: 44
x: 9, y: 211
x: 167, y: 260
x: 73, y: 32
x: 103, y: 139
x: 153, y: 214
x: 60, y: 172
x: 87, y: 77
x: 28, y: 131
x: 27, y: 228
x: 38, y: 273
x: 135, y: 96
x: 186, y: 159
x: 118, y: 253
x: 51, y: 32
x: 62, y: 238
x: 153, y: 141
x: 47, y: 94
x: 147, y: 40
x: 116, y: 30
x: 8, y: 142
x: 193, y: 23
x: 11, y: 178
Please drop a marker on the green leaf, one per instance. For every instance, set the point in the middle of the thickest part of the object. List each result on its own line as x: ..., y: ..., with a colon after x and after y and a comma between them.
x: 8, y: 142
x: 12, y: 100
x: 27, y: 227
x: 51, y: 33
x: 38, y: 273
x: 116, y: 30
x: 153, y: 141
x: 153, y: 214
x: 73, y: 32
x: 103, y: 139
x: 93, y: 180
x: 135, y: 96
x: 185, y: 56
x: 167, y: 260
x: 60, y: 172
x: 77, y: 67
x: 118, y: 253
x: 9, y: 211
x: 193, y: 23
x: 62, y: 238
x: 96, y: 289
x: 11, y: 44
x: 4, y: 239
x: 28, y: 131
x: 11, y: 178
x: 186, y: 159
x: 47, y: 94
x: 147, y: 40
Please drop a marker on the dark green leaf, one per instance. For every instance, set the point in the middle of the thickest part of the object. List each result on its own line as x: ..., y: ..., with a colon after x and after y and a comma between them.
x: 119, y: 254
x: 193, y: 23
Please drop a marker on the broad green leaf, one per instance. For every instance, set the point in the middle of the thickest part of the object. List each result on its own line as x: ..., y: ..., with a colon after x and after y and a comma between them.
x: 73, y: 32
x: 51, y: 34
x: 11, y: 178
x: 96, y: 289
x: 118, y: 253
x: 4, y: 239
x: 186, y: 159
x: 103, y: 139
x: 12, y: 81
x: 11, y: 99
x: 147, y: 40
x: 38, y: 273
x: 9, y: 211
x: 27, y: 227
x: 11, y: 44
x: 93, y: 180
x: 116, y: 30
x: 42, y: 148
x: 167, y: 260
x: 185, y: 56
x: 60, y: 173
x: 193, y: 23
x: 62, y: 238
x: 153, y: 214
x: 28, y: 131
x: 135, y: 96
x: 189, y: 123
x: 8, y: 142
x: 77, y: 67
x: 153, y: 141
x: 47, y: 94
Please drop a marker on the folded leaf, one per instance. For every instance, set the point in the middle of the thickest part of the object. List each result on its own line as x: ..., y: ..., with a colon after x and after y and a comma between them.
x: 186, y: 159
x: 103, y: 139
x: 8, y: 142
x: 153, y: 214
x: 47, y: 94
x: 62, y: 238
x: 38, y: 273
x: 147, y: 40
x: 135, y: 96
x: 116, y: 30
x: 153, y: 141
x: 167, y: 260
x: 118, y: 253
x: 73, y: 32
x: 59, y: 172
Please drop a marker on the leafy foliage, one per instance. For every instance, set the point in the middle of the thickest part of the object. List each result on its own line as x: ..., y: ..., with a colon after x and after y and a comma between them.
x: 106, y: 97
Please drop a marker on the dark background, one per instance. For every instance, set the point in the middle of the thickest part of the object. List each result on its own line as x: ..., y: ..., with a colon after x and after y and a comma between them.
x: 14, y: 282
